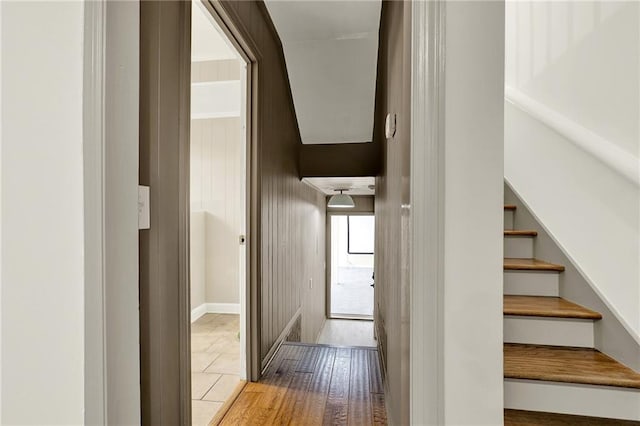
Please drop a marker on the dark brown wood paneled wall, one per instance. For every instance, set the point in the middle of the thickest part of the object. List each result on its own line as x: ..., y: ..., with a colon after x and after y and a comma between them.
x: 165, y: 60
x: 291, y: 212
x: 393, y: 95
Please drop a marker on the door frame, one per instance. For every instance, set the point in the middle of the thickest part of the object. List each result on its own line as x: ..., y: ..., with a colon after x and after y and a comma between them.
x: 330, y: 214
x: 252, y: 175
x: 165, y: 311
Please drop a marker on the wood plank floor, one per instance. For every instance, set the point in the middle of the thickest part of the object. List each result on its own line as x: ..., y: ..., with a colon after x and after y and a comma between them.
x: 314, y: 385
x: 531, y: 418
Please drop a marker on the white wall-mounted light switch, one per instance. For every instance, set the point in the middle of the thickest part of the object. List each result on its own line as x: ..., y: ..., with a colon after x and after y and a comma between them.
x: 144, y: 210
x: 390, y: 126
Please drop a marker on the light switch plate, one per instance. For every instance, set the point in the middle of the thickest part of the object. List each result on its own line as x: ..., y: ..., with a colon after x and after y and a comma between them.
x: 390, y: 126
x: 144, y: 210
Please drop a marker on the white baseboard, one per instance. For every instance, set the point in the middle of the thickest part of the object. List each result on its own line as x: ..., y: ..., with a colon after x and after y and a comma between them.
x: 223, y: 308
x: 198, y: 312
x: 214, y: 308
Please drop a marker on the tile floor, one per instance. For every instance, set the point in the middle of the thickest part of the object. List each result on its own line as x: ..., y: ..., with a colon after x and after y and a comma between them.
x: 215, y: 364
x: 338, y: 332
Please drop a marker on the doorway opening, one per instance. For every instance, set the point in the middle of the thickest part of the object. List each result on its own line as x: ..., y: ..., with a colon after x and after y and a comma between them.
x: 350, y: 279
x: 218, y: 217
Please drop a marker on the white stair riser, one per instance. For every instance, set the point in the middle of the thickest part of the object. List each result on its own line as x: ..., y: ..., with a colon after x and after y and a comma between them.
x: 532, y: 283
x: 549, y: 331
x: 508, y: 219
x: 520, y: 247
x: 570, y: 398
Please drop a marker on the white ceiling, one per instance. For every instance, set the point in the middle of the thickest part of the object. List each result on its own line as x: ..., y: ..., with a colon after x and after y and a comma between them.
x: 331, y: 51
x: 354, y: 185
x: 206, y: 42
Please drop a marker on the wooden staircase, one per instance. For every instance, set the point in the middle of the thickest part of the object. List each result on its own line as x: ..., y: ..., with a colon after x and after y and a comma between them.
x: 553, y: 373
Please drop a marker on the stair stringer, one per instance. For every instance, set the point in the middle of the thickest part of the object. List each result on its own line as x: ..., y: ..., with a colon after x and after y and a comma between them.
x: 611, y: 336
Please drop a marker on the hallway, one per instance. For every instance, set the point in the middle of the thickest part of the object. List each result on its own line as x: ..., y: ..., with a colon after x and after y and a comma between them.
x: 313, y: 385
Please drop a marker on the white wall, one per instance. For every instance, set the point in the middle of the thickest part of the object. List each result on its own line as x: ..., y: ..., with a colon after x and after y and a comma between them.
x: 581, y: 61
x: 473, y: 192
x: 217, y: 158
x: 331, y: 55
x: 42, y: 213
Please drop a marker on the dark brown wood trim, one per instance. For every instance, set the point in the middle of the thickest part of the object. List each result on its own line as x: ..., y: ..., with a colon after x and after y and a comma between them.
x: 184, y: 216
x: 340, y: 160
x: 234, y: 29
x: 165, y: 71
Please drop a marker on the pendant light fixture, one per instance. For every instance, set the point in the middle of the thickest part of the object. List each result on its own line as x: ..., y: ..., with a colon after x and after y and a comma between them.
x: 341, y: 201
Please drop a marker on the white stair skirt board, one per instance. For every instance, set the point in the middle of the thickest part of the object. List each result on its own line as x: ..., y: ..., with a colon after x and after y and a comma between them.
x: 508, y: 219
x: 549, y: 331
x: 518, y: 247
x: 570, y: 398
x: 532, y: 283
x: 214, y: 308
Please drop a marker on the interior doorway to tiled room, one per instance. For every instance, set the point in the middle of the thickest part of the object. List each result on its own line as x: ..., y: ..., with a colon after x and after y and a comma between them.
x: 218, y: 143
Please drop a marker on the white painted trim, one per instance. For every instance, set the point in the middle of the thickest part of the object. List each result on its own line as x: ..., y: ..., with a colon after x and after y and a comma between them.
x: 197, y: 312
x: 531, y: 283
x: 95, y: 367
x: 549, y: 331
x: 214, y: 308
x: 518, y: 246
x: 1, y: 213
x: 605, y: 151
x: 427, y: 214
x: 571, y: 398
x: 223, y: 308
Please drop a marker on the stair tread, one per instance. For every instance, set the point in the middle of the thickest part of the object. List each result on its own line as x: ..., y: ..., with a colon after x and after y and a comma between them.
x: 567, y: 365
x: 537, y: 418
x: 517, y: 264
x: 546, y: 306
x: 510, y: 207
x: 520, y: 233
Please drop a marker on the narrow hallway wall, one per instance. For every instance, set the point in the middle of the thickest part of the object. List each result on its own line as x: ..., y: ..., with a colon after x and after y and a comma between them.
x: 392, y: 192
x: 292, y: 214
